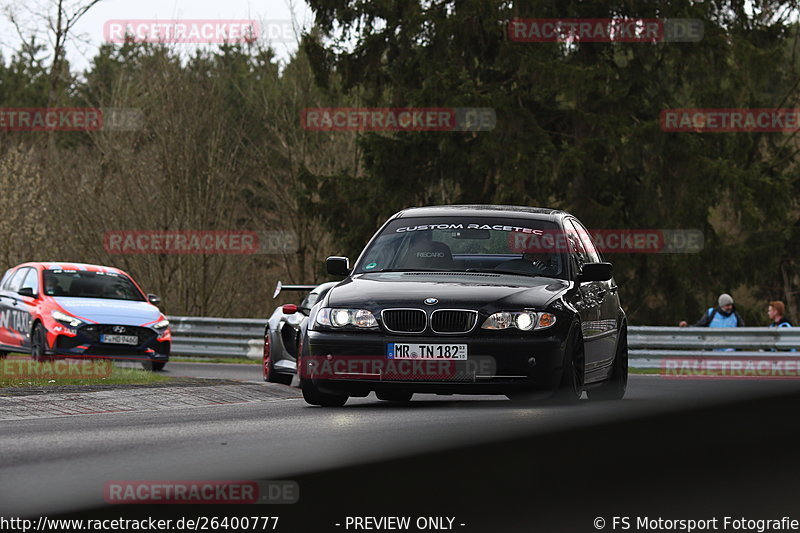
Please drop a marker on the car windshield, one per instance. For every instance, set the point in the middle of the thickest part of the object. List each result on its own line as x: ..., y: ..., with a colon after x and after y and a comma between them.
x: 467, y: 244
x: 83, y: 284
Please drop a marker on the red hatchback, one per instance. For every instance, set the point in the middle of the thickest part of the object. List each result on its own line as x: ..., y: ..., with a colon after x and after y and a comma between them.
x: 80, y: 310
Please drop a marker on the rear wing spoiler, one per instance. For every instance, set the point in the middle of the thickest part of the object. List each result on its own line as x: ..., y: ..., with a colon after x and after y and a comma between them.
x: 281, y: 287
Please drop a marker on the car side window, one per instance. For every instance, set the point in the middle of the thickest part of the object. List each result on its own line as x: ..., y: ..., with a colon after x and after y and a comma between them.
x: 31, y: 281
x: 16, y: 280
x: 575, y: 243
x: 588, y: 243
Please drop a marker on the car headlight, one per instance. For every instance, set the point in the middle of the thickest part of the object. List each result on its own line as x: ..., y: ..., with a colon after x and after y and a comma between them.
x: 502, y: 320
x: 339, y: 318
x: 161, y: 324
x: 66, y: 319
x: 522, y: 320
x: 525, y: 321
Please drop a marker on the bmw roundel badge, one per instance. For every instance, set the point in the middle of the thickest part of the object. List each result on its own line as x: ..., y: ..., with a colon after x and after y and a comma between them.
x: 431, y: 301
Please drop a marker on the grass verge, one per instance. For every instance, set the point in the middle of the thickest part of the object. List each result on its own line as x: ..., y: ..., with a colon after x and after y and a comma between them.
x: 653, y: 371
x: 23, y: 373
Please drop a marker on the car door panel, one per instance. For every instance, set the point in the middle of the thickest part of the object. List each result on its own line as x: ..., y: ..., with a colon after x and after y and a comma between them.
x: 6, y: 308
x: 589, y: 305
x: 14, y: 316
x: 28, y: 306
x: 607, y: 327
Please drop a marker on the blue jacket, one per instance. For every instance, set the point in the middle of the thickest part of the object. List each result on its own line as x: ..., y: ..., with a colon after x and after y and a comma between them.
x: 717, y: 318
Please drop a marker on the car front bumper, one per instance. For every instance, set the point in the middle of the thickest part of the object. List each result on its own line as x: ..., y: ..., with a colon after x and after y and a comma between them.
x: 356, y: 363
x: 86, y: 344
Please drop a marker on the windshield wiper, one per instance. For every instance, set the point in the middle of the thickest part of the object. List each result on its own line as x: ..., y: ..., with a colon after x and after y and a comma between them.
x: 512, y: 272
x: 469, y: 270
x: 407, y: 270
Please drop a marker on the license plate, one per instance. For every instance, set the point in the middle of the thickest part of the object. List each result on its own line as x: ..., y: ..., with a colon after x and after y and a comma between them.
x: 119, y: 339
x: 453, y: 352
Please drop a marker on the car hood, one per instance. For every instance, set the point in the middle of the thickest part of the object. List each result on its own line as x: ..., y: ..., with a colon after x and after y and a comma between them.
x: 468, y: 291
x: 107, y: 311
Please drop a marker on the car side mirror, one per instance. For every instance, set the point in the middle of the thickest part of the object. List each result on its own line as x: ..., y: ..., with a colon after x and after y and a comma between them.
x: 153, y: 299
x: 289, y: 309
x: 596, y: 272
x: 27, y: 291
x: 338, y: 266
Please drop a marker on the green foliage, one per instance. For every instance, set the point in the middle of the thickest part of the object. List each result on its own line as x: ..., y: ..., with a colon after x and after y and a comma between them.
x: 578, y: 129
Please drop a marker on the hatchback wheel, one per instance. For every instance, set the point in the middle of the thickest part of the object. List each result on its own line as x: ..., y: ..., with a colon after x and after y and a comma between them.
x: 39, y: 344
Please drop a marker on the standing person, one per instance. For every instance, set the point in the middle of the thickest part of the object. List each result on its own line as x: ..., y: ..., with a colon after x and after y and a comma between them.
x: 722, y: 316
x: 775, y: 311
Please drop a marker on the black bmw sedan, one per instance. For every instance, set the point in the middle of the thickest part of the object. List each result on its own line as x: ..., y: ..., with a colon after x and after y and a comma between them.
x: 469, y: 299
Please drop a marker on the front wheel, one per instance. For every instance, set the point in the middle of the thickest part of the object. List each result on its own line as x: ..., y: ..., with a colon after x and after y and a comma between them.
x: 312, y: 395
x: 268, y: 365
x: 614, y: 388
x: 39, y: 344
x: 153, y: 366
x: 570, y: 387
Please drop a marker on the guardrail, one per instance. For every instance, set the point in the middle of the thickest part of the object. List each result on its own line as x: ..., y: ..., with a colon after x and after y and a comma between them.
x: 648, y: 345
x: 217, y: 337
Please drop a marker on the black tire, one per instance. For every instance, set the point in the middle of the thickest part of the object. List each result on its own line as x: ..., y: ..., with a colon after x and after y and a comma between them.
x: 39, y: 344
x: 570, y: 387
x: 614, y: 388
x: 312, y: 395
x: 153, y: 366
x: 268, y: 364
x: 394, y: 396
x: 3, y: 355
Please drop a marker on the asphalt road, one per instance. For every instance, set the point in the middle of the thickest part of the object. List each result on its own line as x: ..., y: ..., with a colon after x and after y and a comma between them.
x: 62, y: 463
x: 240, y: 372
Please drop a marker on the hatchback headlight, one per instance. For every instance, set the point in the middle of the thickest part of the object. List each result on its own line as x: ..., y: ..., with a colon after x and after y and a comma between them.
x: 161, y: 324
x: 66, y: 319
x: 339, y: 318
x: 522, y: 320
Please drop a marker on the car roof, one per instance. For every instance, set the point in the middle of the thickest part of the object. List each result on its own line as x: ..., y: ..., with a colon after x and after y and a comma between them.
x: 483, y: 210
x: 65, y: 265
